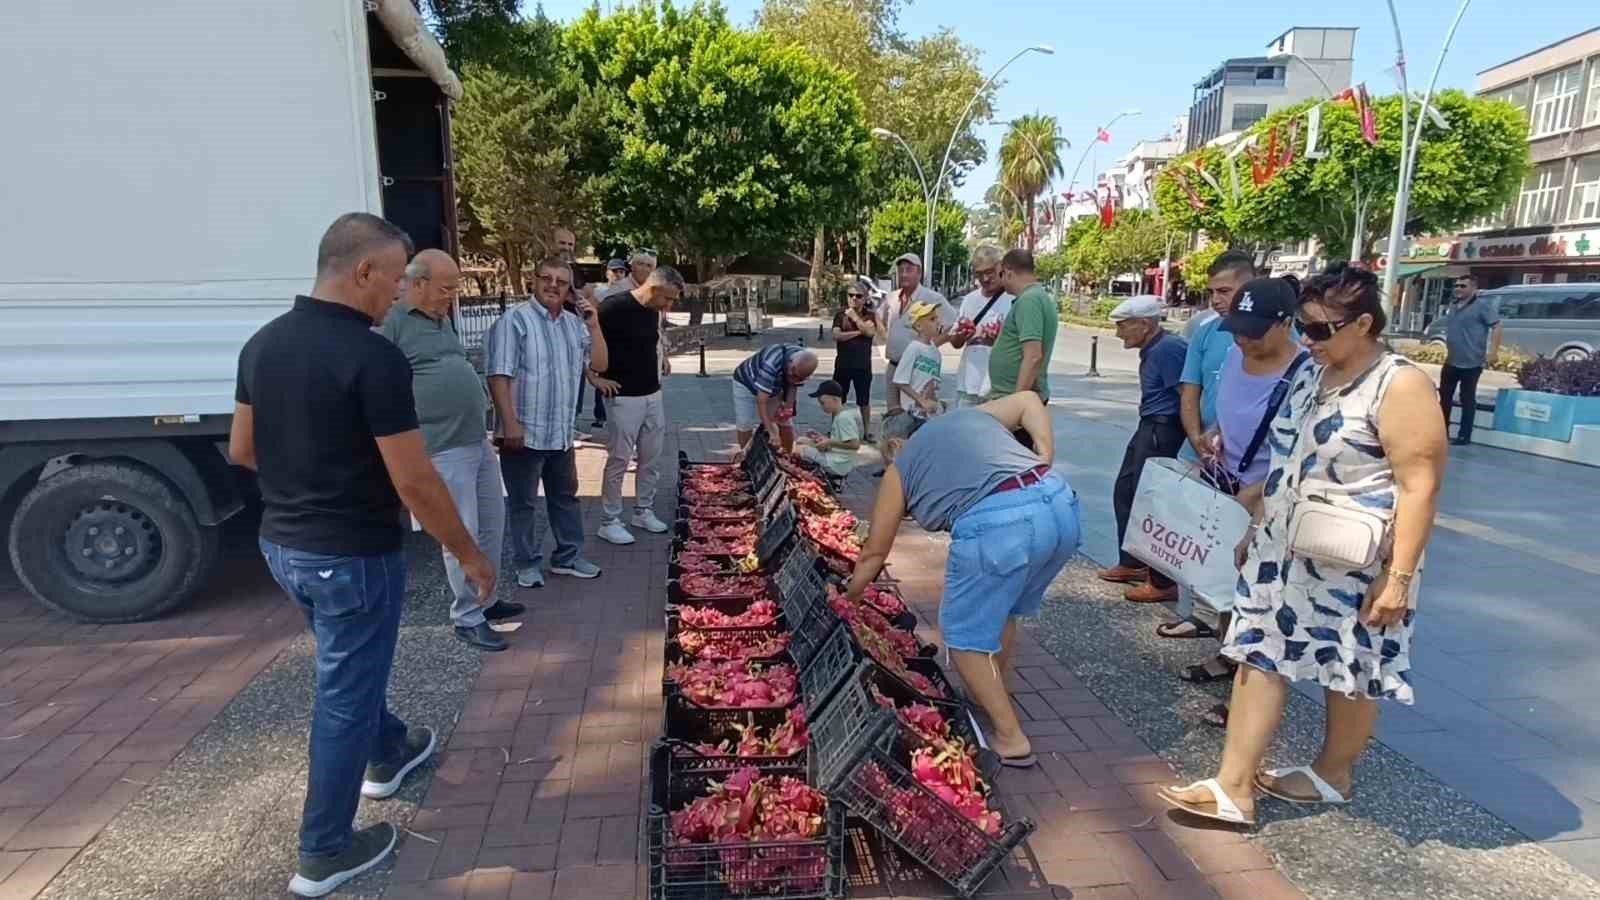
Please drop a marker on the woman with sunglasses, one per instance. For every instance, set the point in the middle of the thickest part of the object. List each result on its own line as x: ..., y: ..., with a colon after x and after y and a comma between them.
x: 1360, y: 429
x: 853, y: 330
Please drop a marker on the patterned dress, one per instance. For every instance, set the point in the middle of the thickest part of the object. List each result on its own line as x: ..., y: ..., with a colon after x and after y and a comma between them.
x: 1291, y: 615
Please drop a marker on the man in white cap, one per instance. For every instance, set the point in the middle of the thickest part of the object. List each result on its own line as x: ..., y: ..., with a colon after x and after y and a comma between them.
x: 895, y: 321
x: 1160, y: 432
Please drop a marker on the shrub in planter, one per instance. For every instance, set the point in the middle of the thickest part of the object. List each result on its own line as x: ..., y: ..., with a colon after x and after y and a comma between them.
x: 1568, y: 377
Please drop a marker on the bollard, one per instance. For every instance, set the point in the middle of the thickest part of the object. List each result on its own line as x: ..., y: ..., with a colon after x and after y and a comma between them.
x: 702, y: 360
x: 819, y: 332
x: 1094, y: 357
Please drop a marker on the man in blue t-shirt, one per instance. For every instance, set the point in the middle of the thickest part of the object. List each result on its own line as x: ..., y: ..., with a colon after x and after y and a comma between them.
x: 1208, y: 347
x: 1160, y: 432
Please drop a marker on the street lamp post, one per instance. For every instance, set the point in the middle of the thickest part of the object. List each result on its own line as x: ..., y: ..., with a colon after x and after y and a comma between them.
x: 1358, y: 233
x: 1408, y: 145
x: 938, y: 181
x: 1085, y: 157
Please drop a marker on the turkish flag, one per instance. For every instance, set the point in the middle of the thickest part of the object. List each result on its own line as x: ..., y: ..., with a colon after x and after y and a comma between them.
x: 1103, y: 136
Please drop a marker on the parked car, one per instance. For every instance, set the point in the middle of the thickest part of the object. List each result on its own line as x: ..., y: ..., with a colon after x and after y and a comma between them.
x: 1560, y: 320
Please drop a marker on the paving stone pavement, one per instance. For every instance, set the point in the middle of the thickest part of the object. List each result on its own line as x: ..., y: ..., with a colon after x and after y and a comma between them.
x: 539, y: 789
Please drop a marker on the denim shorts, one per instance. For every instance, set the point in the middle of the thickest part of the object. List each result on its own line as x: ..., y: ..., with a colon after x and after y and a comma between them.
x: 1004, y: 552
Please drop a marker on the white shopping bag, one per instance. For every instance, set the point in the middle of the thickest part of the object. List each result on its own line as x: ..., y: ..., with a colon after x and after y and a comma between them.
x: 1187, y: 530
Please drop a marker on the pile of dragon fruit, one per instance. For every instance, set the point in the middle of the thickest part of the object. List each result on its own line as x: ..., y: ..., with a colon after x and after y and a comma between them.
x: 783, y: 741
x: 775, y: 815
x: 732, y: 645
x: 735, y: 684
x: 756, y: 615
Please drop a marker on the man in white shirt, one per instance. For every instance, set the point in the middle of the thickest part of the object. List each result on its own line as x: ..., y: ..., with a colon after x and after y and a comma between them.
x: 978, y: 323
x: 894, y: 321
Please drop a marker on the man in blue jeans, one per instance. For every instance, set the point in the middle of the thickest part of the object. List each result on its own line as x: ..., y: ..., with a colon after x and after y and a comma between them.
x: 324, y: 414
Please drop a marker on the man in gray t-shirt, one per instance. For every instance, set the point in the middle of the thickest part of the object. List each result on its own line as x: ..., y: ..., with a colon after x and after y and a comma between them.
x: 1472, y: 326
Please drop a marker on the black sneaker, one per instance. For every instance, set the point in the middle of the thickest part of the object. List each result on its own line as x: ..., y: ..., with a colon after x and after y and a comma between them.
x: 481, y: 636
x: 383, y: 780
x: 504, y: 609
x: 367, y: 848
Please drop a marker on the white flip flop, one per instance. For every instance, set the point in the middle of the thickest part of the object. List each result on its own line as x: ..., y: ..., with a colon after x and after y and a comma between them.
x: 1327, y: 795
x: 1225, y: 809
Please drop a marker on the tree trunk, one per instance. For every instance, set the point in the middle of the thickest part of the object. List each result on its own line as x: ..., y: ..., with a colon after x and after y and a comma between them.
x: 1028, y: 233
x: 814, y: 282
x: 511, y: 254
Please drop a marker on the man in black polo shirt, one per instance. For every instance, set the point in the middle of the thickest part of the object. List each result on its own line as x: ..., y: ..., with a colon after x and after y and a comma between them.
x: 337, y: 451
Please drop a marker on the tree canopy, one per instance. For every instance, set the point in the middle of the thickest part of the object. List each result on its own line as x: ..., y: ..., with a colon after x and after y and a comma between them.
x: 1030, y: 159
x: 1463, y: 172
x: 899, y: 226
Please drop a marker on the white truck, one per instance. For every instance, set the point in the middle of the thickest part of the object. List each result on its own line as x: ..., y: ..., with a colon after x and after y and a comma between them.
x: 167, y: 169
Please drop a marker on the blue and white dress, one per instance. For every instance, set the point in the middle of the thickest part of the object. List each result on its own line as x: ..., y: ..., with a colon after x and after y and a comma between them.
x: 1295, y: 617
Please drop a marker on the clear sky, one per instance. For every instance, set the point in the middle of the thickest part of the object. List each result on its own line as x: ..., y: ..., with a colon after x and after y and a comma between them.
x: 1148, y: 55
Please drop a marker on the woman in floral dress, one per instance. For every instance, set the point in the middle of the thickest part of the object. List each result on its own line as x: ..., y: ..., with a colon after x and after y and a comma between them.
x: 1360, y: 429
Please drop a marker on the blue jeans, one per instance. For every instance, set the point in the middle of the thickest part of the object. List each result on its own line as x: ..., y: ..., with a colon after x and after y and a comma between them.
x: 352, y: 604
x: 523, y: 471
x: 1004, y: 552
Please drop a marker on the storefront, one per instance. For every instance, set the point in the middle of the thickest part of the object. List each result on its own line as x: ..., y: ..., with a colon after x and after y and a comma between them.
x: 1427, y: 275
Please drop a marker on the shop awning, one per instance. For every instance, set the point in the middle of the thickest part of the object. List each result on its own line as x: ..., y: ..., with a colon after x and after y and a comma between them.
x: 1408, y: 269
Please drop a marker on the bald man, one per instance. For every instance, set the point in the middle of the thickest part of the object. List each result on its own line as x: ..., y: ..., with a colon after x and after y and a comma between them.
x: 451, y: 409
x: 764, y: 389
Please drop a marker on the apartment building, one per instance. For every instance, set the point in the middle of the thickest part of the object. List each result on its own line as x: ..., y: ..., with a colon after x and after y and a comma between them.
x: 1301, y: 64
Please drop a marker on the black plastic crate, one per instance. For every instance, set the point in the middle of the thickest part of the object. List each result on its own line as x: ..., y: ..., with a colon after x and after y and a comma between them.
x: 724, y: 514
x: 922, y: 665
x: 732, y: 606
x: 727, y: 565
x: 853, y: 705
x: 681, y: 533
x: 798, y: 566
x: 810, y: 629
x: 830, y: 665
x: 675, y: 654
x: 682, y: 543
x: 873, y: 780
x: 783, y: 870
x: 686, y: 725
x: 776, y: 533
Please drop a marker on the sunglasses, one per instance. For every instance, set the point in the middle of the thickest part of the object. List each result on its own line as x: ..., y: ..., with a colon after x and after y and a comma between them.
x: 1318, y: 332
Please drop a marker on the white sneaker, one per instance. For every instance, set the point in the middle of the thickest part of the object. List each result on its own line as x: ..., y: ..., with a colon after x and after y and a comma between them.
x: 646, y: 519
x: 613, y: 532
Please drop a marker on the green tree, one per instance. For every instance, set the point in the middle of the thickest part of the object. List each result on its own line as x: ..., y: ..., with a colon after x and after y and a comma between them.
x: 511, y: 140
x: 1197, y: 262
x: 1030, y: 159
x: 1137, y: 239
x: 717, y: 141
x: 1470, y: 169
x: 899, y: 225
x: 1052, y: 266
x: 1085, y: 247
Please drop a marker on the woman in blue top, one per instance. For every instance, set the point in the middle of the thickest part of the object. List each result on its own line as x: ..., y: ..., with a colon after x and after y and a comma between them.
x: 1013, y: 525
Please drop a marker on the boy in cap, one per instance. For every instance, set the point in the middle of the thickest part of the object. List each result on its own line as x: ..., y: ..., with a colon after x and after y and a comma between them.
x: 918, y: 375
x: 837, y: 451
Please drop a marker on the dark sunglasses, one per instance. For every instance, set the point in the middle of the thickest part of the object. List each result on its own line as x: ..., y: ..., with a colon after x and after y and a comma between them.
x: 1318, y: 332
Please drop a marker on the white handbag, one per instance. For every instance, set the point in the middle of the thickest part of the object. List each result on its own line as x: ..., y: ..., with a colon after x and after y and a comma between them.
x: 1337, y: 535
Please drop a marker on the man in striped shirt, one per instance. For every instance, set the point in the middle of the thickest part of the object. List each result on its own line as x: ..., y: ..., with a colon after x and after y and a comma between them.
x: 536, y: 352
x: 764, y: 388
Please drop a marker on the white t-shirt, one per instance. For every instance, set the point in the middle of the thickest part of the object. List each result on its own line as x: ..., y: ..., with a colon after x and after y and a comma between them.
x: 973, y: 375
x: 919, y: 365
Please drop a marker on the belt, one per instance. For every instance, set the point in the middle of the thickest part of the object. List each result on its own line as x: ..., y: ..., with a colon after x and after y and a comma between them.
x: 1016, y: 482
x: 1164, y: 420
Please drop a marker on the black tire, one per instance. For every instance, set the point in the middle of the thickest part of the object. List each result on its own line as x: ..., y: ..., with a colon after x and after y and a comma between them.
x: 110, y: 542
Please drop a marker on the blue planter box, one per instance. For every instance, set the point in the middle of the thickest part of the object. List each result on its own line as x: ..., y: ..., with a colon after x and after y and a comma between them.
x: 1541, y: 415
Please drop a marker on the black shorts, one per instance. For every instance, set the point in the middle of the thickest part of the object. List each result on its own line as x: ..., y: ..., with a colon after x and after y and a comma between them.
x: 861, y: 379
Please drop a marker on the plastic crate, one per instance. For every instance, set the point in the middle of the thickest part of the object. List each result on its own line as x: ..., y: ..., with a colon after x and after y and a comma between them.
x: 681, y: 543
x: 776, y: 533
x: 799, y: 565
x: 829, y: 667
x: 872, y: 778
x: 729, y: 606
x: 728, y: 565
x: 725, y: 514
x: 815, y: 867
x: 675, y: 655
x: 770, y: 495
x: 680, y: 530
x: 685, y: 725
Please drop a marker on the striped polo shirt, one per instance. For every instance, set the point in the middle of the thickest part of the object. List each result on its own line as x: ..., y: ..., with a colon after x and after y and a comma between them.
x: 544, y: 359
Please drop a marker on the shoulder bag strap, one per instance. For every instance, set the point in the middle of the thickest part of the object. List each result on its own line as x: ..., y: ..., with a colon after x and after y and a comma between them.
x: 986, y: 307
x: 1279, y: 391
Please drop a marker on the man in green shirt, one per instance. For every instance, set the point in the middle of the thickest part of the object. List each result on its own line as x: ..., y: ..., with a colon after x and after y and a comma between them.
x: 1020, y: 360
x: 451, y: 409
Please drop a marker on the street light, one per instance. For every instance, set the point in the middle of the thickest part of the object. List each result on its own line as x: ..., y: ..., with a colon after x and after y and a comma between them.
x: 1357, y: 235
x: 938, y: 181
x: 1408, y: 145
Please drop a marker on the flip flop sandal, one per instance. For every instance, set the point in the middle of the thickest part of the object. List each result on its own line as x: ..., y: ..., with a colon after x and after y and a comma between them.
x: 1219, y: 808
x: 1216, y: 716
x: 1201, y: 675
x: 1327, y: 794
x: 1195, y: 630
x: 1026, y: 761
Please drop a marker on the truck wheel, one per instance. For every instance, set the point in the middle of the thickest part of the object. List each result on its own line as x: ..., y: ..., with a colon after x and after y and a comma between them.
x: 109, y: 542
x: 1572, y: 354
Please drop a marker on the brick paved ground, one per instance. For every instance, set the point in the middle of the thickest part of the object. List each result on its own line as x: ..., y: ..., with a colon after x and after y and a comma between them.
x: 540, y: 792
x: 90, y: 715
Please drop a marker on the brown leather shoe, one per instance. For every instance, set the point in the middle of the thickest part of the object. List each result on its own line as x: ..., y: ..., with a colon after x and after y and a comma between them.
x: 1120, y: 574
x: 1149, y: 593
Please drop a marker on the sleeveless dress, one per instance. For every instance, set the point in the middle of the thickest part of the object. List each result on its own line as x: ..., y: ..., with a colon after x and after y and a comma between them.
x: 1291, y: 615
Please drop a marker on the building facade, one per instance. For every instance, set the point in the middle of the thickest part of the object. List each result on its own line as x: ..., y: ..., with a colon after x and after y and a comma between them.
x: 1301, y: 64
x: 1550, y: 232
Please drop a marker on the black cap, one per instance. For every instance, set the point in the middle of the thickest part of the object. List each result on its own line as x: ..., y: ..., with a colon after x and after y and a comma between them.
x: 829, y: 389
x: 1259, y: 305
x: 618, y: 265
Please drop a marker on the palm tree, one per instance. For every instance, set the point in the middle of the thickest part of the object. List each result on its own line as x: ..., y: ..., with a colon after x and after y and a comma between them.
x: 1030, y: 158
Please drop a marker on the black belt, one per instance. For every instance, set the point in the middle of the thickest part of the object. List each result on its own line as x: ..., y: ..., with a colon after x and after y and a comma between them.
x: 1163, y: 420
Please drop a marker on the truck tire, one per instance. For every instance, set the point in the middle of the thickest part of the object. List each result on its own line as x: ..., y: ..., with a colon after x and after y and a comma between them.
x: 110, y: 542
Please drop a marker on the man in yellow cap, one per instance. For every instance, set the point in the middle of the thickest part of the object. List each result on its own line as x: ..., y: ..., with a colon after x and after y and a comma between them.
x: 918, y: 375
